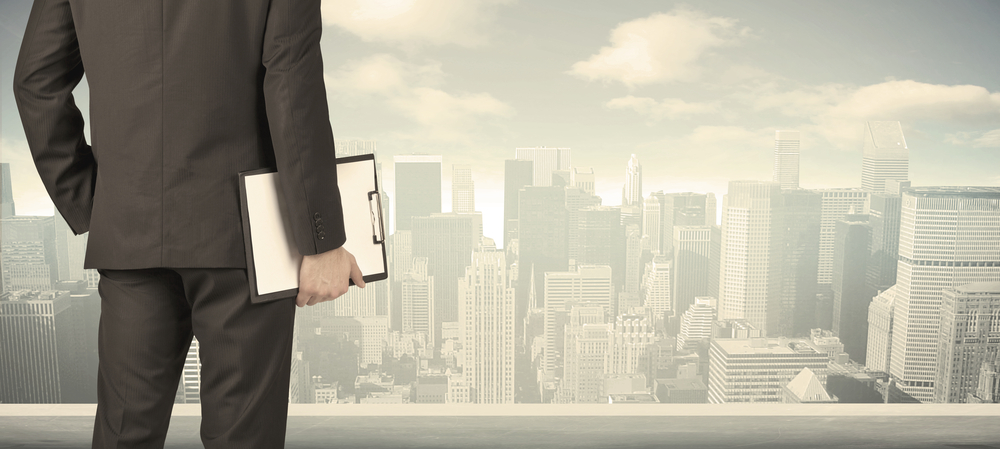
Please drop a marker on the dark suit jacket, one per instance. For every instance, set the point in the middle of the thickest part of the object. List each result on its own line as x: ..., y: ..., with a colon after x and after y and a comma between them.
x: 184, y: 94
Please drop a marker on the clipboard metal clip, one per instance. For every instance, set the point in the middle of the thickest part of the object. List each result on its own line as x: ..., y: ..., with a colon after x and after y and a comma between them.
x: 375, y: 208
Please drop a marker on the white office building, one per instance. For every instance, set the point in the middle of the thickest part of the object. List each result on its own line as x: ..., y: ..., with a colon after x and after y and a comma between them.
x: 562, y: 290
x: 949, y: 237
x: 756, y: 369
x: 786, y: 159
x: 837, y: 203
x: 486, y: 304
x: 545, y: 161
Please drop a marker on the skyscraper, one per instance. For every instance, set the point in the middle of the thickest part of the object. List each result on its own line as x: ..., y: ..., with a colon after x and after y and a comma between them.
x: 883, y: 216
x: 652, y: 220
x: 418, y: 187
x: 399, y: 250
x: 696, y: 323
x: 630, y: 337
x: 583, y: 179
x: 786, y: 159
x: 795, y: 311
x: 683, y: 209
x: 6, y: 193
x: 692, y: 250
x: 884, y: 155
x: 588, y: 284
x: 586, y: 348
x: 417, y: 308
x: 542, y: 237
x: 632, y: 191
x: 656, y: 288
x: 28, y: 251
x: 879, y: 344
x: 633, y: 259
x: 850, y: 295
x: 750, y: 250
x: 576, y: 200
x: 601, y: 240
x: 463, y: 190
x: 837, y: 203
x: 545, y: 161
x: 487, y: 317
x: 34, y: 341
x: 949, y: 237
x: 447, y: 241
x: 516, y: 174
x: 970, y: 324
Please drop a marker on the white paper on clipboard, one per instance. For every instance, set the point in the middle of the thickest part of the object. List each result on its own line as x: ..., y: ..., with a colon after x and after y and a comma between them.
x: 275, y: 257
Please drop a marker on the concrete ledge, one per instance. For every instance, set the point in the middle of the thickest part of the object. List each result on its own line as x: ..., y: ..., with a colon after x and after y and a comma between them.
x: 514, y: 410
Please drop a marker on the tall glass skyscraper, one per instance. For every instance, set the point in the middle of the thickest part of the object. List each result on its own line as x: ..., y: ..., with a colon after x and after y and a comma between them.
x: 418, y: 187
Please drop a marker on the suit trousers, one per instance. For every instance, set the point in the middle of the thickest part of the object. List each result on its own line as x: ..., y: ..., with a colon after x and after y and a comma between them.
x: 148, y: 318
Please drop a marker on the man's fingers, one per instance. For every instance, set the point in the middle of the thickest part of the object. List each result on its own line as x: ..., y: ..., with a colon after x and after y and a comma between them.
x: 356, y: 275
x: 302, y: 299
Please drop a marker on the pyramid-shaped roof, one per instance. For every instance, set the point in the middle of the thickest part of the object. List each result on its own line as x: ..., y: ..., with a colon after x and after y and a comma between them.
x: 807, y: 387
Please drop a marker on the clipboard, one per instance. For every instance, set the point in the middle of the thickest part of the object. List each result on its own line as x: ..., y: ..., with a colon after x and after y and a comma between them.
x: 273, y: 259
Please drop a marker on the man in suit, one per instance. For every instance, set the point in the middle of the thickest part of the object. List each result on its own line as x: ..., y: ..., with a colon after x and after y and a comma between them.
x: 184, y: 94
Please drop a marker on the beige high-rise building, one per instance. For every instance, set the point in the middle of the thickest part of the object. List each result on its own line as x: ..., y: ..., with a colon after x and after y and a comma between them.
x: 545, y: 160
x: 755, y: 369
x: 750, y: 251
x: 656, y: 288
x: 562, y: 290
x: 786, y: 159
x: 585, y: 349
x: 880, y: 330
x: 629, y: 340
x: 969, y: 337
x: 837, y: 204
x: 463, y: 189
x: 486, y: 317
x: 949, y: 237
x: 884, y: 155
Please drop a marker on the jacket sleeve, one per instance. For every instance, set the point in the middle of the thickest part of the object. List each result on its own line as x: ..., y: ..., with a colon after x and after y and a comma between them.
x: 299, y: 122
x: 48, y: 68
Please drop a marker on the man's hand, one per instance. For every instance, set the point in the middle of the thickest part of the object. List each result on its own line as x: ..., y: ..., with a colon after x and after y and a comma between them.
x: 324, y: 276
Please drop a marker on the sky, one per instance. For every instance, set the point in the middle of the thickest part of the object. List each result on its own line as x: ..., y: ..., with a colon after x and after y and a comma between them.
x: 695, y: 90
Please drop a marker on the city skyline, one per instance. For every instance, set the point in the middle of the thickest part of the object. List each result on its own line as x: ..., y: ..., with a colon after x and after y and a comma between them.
x: 787, y: 234
x: 696, y: 120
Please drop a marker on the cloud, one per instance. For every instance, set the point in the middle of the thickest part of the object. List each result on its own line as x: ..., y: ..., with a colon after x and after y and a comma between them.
x: 988, y: 139
x: 413, y: 22
x: 838, y: 111
x: 413, y: 91
x: 670, y: 108
x: 659, y: 48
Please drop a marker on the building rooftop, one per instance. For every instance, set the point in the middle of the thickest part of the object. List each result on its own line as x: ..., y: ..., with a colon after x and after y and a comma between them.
x: 946, y: 191
x: 682, y: 384
x: 980, y: 287
x: 887, y: 135
x: 775, y: 346
x: 807, y: 387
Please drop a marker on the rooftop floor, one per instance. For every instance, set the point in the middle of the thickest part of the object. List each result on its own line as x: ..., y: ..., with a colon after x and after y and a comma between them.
x: 522, y: 426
